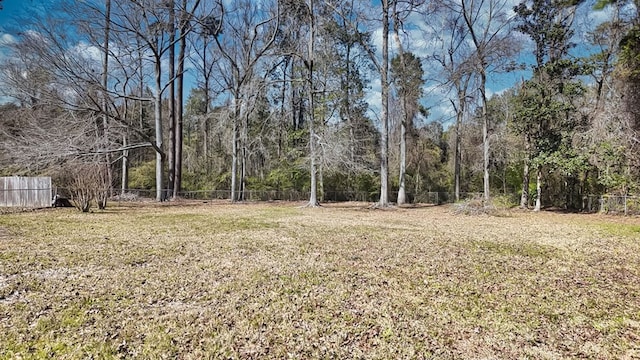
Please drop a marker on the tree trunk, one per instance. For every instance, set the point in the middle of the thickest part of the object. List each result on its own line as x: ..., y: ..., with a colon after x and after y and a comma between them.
x: 524, y: 197
x: 485, y: 133
x: 142, y: 86
x: 504, y: 181
x: 384, y: 112
x: 244, y: 140
x: 481, y: 45
x: 313, y: 196
x: 458, y: 143
x: 158, y: 125
x: 321, y: 183
x: 172, y: 98
x: 402, y: 194
x: 205, y: 136
x: 234, y: 148
x: 347, y: 106
x: 105, y: 84
x: 538, y: 190
x: 177, y: 184
x: 125, y: 166
x: 205, y: 121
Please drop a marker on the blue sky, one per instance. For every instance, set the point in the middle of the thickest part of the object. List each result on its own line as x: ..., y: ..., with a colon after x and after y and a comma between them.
x: 14, y: 9
x: 12, y: 13
x: 12, y: 6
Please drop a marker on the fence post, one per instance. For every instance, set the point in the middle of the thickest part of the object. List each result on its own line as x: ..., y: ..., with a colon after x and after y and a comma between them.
x: 625, y: 204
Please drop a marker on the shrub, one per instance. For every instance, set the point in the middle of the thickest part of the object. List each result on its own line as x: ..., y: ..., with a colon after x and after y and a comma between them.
x: 498, y: 206
x: 88, y: 182
x: 143, y: 176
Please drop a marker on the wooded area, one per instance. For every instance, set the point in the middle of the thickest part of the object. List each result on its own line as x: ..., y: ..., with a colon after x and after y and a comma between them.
x: 384, y: 97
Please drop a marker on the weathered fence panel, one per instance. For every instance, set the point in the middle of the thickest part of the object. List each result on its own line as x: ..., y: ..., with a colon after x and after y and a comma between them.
x: 28, y: 192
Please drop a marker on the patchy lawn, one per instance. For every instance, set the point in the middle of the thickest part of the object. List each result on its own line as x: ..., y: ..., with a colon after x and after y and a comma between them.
x: 275, y: 281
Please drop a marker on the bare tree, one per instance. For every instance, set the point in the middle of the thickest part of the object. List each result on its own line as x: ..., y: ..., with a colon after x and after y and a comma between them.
x: 455, y: 60
x: 208, y: 25
x: 247, y: 35
x: 66, y: 77
x: 382, y: 66
x: 105, y: 118
x: 488, y: 24
x: 153, y: 23
x: 184, y: 28
x: 401, y: 9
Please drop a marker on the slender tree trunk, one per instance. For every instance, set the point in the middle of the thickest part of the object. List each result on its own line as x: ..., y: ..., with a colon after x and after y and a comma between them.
x: 313, y: 197
x: 205, y: 121
x: 105, y: 84
x: 504, y: 181
x: 347, y: 107
x: 177, y: 186
x: 158, y: 125
x: 458, y: 142
x: 141, y: 89
x: 481, y: 47
x: 234, y: 148
x: 125, y: 166
x: 283, y: 96
x: 205, y: 136
x: 244, y: 153
x: 457, y: 160
x: 538, y: 189
x: 321, y: 183
x: 524, y: 197
x: 172, y: 98
x: 485, y: 133
x: 402, y: 194
x: 384, y: 112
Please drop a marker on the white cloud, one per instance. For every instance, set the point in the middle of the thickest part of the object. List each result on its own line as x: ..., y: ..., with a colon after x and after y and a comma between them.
x: 34, y: 35
x: 7, y: 39
x: 87, y: 51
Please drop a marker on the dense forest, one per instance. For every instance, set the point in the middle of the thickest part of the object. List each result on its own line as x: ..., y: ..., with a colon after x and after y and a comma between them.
x: 389, y: 98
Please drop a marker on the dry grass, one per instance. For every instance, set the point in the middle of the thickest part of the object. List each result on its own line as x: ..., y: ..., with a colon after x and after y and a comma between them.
x: 277, y: 281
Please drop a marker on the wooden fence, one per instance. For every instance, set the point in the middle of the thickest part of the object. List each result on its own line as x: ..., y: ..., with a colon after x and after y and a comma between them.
x: 27, y: 192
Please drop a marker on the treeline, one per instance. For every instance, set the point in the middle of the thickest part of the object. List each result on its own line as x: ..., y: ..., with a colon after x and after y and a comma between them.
x: 325, y: 96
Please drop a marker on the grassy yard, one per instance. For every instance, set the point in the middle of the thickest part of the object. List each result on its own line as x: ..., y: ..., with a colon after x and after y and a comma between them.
x: 275, y: 281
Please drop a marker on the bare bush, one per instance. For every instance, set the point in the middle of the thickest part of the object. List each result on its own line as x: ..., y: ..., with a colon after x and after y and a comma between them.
x: 88, y: 183
x: 498, y: 206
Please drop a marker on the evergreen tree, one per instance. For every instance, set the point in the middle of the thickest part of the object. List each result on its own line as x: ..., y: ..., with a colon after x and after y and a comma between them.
x: 545, y: 112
